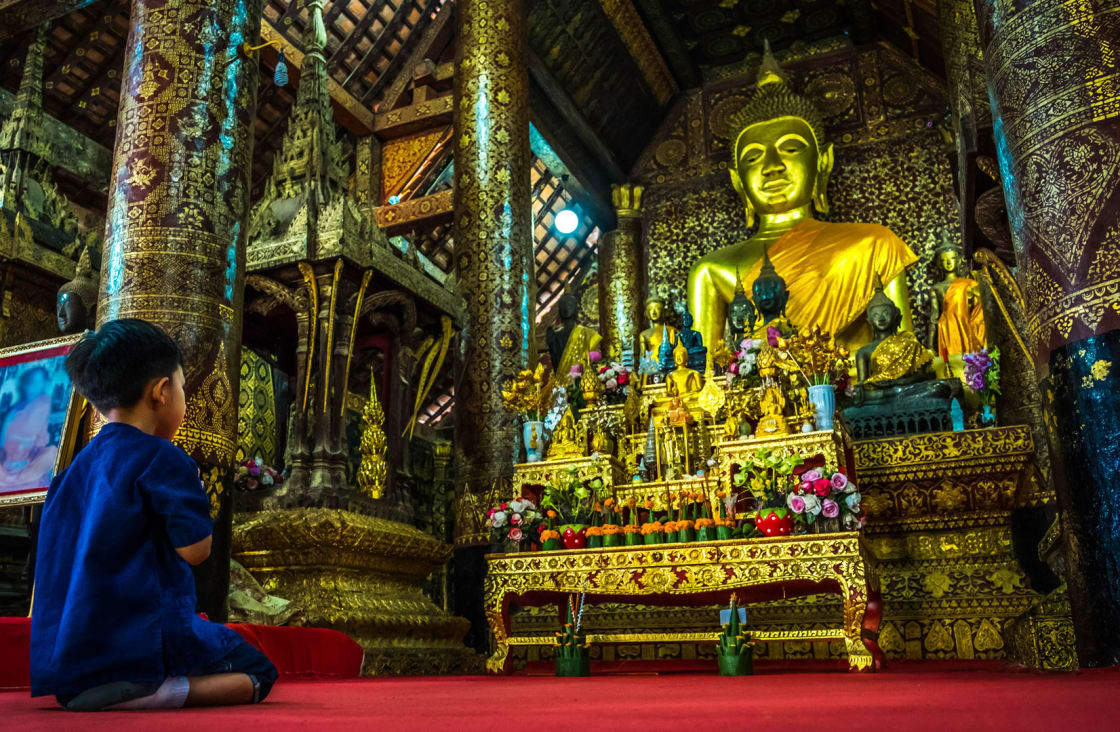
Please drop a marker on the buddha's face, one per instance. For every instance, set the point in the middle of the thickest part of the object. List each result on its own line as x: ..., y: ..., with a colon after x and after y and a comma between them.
x: 737, y: 313
x: 949, y: 261
x: 776, y: 165
x: 654, y: 310
x: 70, y: 313
x: 680, y: 357
x: 769, y: 296
x: 883, y: 318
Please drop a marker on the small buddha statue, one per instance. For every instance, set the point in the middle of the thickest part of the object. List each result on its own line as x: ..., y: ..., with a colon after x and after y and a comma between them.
x: 770, y: 298
x: 565, y: 438
x: 780, y: 166
x: 894, y: 366
x: 570, y: 342
x: 659, y: 330
x: 693, y: 343
x: 772, y: 402
x: 77, y: 299
x: 955, y: 306
x: 683, y: 380
x: 677, y: 415
x: 741, y: 318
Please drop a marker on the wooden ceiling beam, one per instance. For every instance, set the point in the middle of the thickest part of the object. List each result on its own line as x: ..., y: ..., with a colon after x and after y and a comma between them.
x: 348, y: 110
x: 415, y: 117
x: 436, y: 32
x: 415, y: 213
x: 387, y: 33
x: 17, y: 16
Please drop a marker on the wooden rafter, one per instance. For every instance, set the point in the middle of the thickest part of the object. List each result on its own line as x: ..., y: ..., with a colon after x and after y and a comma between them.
x: 396, y: 62
x: 438, y: 28
x: 400, y: 14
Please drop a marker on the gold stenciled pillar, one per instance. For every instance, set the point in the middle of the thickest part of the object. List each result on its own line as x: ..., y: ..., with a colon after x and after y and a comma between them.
x: 492, y: 229
x: 1055, y: 92
x: 175, y: 230
x: 621, y: 277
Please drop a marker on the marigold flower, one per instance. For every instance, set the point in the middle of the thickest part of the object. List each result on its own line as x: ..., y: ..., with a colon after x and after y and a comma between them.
x: 551, y: 513
x: 549, y: 535
x: 649, y: 504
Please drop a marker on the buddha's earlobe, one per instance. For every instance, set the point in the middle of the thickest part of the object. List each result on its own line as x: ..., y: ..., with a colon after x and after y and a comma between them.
x: 748, y: 208
x: 820, y: 185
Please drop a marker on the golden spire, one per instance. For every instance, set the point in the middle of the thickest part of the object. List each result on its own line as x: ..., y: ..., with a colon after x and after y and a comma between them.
x: 373, y: 471
x: 880, y: 299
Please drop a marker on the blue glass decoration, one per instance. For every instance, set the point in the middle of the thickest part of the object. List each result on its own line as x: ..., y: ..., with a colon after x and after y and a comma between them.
x: 280, y: 75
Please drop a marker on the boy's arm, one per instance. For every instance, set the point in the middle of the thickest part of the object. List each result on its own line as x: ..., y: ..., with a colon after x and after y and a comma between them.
x: 174, y: 490
x: 197, y: 552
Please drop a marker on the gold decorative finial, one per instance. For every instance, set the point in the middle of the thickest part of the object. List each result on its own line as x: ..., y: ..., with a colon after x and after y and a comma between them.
x: 769, y: 71
x: 767, y: 271
x: 373, y: 470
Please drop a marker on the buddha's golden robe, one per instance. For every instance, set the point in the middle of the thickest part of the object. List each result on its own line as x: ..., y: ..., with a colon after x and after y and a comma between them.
x: 582, y: 341
x: 830, y: 271
x: 896, y: 356
x: 960, y: 329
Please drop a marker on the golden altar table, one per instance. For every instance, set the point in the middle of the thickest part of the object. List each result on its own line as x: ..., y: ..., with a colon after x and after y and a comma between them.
x: 690, y: 574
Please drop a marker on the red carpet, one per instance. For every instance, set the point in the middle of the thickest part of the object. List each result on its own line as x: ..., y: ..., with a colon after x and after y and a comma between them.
x: 914, y: 696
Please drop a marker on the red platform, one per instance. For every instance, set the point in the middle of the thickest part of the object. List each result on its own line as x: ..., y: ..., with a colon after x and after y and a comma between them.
x: 308, y: 652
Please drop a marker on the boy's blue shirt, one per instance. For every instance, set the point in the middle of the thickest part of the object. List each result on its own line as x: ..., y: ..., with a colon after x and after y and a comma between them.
x: 113, y: 600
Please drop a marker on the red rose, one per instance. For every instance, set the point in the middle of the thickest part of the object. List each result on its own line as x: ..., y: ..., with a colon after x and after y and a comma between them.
x: 805, y: 487
x: 505, y: 506
x: 822, y: 487
x: 602, y: 369
x: 623, y: 379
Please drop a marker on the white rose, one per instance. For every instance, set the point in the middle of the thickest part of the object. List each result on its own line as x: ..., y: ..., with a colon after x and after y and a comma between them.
x: 517, y: 506
x: 812, y: 504
x: 499, y: 519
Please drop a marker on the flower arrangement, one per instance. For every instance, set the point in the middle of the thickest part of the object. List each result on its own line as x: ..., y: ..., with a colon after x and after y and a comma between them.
x: 254, y: 474
x: 834, y: 497
x: 570, y: 499
x: 513, y: 521
x: 981, y: 373
x: 528, y: 394
x: 614, y: 379
x: 768, y: 476
x: 741, y: 367
x: 821, y: 361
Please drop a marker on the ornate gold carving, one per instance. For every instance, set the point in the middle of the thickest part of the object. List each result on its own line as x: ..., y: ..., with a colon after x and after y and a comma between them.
x: 373, y: 472
x: 363, y: 576
x: 256, y: 410
x: 675, y: 571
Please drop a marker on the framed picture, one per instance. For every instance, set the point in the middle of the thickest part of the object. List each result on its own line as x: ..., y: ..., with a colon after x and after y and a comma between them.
x: 40, y: 415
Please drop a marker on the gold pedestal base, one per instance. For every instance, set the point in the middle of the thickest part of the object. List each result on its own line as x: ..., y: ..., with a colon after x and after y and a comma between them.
x: 362, y: 576
x: 1043, y: 636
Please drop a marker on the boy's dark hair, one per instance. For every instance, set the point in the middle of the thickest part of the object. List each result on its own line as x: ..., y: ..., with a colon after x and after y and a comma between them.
x: 110, y: 367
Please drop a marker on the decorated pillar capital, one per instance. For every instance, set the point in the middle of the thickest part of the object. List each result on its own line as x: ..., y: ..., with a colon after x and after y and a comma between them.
x: 627, y: 200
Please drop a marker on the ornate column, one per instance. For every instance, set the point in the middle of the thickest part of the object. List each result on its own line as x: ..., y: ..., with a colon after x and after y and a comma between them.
x: 1055, y: 95
x: 175, y: 231
x: 492, y: 252
x: 621, y: 280
x: 492, y: 229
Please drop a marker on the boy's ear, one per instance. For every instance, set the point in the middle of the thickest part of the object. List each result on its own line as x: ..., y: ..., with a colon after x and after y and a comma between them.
x: 159, y: 389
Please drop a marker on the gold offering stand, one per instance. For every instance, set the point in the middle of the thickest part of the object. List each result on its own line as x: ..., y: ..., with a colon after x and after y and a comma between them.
x: 694, y: 574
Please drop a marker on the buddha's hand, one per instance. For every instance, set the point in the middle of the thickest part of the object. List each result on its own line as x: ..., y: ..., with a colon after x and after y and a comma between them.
x: 857, y: 394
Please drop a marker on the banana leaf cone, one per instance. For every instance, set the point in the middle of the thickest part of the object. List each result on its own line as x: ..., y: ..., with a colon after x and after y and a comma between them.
x: 723, y: 533
x: 595, y: 542
x: 633, y: 539
x: 612, y: 540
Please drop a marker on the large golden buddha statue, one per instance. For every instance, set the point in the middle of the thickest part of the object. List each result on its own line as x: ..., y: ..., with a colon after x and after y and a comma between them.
x: 780, y: 170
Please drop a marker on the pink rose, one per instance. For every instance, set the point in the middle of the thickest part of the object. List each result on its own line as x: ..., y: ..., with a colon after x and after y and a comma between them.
x: 505, y: 506
x: 515, y: 534
x: 515, y: 519
x: 811, y: 475
x: 733, y: 368
x: 822, y: 488
x: 805, y: 487
x: 595, y: 357
x: 577, y: 370
x: 796, y: 503
x: 830, y: 509
x: 839, y: 480
x: 492, y: 512
x: 623, y: 379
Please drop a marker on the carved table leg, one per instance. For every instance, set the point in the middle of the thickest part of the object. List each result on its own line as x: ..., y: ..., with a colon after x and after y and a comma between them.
x: 497, y: 615
x: 856, y: 593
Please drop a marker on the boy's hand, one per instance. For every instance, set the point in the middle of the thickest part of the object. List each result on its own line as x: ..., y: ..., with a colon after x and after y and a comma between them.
x: 197, y: 552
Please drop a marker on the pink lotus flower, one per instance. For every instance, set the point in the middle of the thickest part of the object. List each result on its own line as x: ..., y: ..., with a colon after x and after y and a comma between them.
x: 577, y: 370
x: 839, y: 480
x: 515, y: 534
x: 822, y: 488
x: 796, y: 503
x: 595, y: 357
x: 830, y: 508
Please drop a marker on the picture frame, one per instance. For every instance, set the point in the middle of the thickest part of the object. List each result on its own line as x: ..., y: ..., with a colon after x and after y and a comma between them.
x: 40, y: 418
